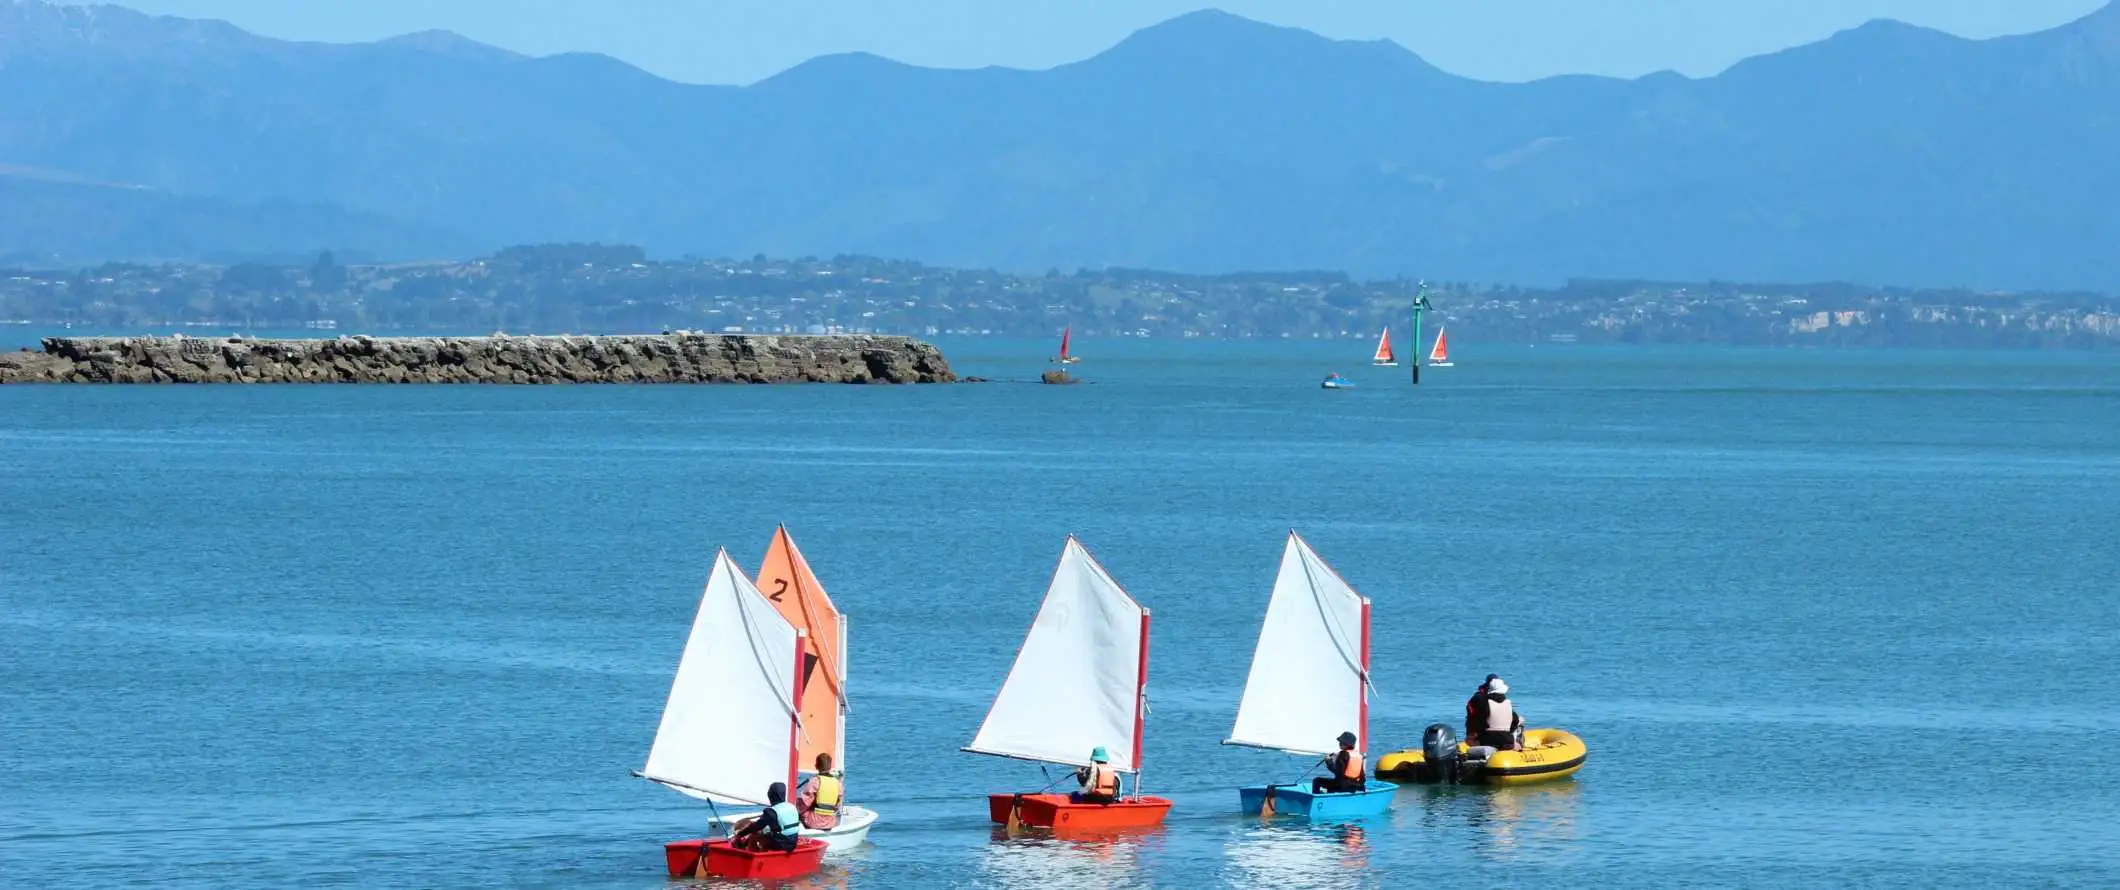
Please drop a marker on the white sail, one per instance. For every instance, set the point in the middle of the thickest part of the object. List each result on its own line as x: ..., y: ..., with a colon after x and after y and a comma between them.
x: 1076, y: 684
x: 1308, y: 679
x: 727, y: 729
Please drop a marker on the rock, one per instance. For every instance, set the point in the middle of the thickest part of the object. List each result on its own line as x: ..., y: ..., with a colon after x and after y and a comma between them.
x: 1060, y: 377
x: 669, y: 358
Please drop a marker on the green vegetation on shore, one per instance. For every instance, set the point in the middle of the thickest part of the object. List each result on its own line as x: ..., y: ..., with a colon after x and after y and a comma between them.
x: 597, y: 288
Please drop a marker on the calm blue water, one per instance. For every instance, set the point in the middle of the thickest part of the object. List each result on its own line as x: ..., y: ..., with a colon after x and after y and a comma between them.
x: 1824, y: 618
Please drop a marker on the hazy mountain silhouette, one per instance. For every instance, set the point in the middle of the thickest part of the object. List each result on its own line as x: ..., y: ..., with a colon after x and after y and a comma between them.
x: 1209, y: 142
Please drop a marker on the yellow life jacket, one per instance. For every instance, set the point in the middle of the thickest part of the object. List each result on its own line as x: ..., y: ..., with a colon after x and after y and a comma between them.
x: 829, y: 793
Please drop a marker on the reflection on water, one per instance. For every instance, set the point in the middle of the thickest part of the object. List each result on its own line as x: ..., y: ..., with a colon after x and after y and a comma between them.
x: 1106, y: 859
x: 1302, y: 857
x: 1527, y: 821
x: 826, y: 878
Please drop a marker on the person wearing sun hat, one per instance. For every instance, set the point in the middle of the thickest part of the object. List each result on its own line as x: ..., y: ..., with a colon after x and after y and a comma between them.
x: 1496, y: 721
x: 1100, y: 782
x: 1472, y: 708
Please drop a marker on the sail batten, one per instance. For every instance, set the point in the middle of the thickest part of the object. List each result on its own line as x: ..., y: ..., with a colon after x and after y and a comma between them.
x: 728, y: 727
x: 1077, y: 681
x: 1309, y: 675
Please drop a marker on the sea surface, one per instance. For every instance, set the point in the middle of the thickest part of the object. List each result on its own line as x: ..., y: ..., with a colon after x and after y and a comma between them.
x: 1824, y: 618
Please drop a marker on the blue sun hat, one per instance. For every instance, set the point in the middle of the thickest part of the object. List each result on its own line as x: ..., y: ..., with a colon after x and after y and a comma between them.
x: 1099, y: 755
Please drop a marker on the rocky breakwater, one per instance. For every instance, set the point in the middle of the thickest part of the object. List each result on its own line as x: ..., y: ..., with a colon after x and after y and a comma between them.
x: 665, y: 358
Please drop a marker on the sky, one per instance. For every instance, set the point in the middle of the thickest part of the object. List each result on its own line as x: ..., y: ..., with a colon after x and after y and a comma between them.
x: 743, y: 41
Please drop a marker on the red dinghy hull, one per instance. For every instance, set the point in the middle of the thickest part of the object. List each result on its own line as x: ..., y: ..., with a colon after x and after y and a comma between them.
x: 724, y: 860
x: 1057, y: 812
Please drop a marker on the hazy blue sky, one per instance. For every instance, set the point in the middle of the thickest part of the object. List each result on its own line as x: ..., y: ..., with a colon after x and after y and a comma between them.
x: 740, y: 41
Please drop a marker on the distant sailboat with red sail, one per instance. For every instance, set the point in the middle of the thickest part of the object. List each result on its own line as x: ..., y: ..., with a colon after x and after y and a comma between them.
x: 1065, y: 357
x: 1384, y: 357
x: 1439, y: 357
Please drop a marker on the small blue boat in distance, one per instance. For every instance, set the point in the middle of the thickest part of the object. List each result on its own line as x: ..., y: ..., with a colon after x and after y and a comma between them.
x: 1335, y: 381
x: 1314, y: 641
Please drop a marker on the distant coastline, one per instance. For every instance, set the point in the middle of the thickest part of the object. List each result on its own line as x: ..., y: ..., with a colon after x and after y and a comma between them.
x: 556, y: 288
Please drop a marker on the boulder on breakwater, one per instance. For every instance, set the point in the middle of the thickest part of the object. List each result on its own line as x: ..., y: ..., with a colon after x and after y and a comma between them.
x: 652, y: 358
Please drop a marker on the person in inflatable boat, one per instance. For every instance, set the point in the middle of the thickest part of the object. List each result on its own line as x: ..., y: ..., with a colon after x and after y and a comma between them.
x: 819, y: 796
x: 773, y: 829
x: 1346, y: 767
x: 1472, y: 708
x: 1100, y: 782
x: 1497, y: 722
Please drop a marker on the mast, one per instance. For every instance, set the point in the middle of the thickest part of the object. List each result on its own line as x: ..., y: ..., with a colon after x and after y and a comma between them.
x: 802, y: 639
x: 1140, y: 702
x: 1363, y: 689
x: 841, y: 747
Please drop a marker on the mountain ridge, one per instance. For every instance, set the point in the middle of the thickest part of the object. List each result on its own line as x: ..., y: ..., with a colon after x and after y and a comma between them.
x: 1886, y: 152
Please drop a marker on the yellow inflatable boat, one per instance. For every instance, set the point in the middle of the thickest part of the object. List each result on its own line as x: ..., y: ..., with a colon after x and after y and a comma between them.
x: 1545, y: 755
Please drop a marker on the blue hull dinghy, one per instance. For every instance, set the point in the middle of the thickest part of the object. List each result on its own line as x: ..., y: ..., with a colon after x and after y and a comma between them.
x: 1289, y: 800
x: 1308, y: 691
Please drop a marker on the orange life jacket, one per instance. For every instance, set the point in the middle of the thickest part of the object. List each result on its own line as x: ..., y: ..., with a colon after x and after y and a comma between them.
x: 1103, y: 780
x: 1351, y: 768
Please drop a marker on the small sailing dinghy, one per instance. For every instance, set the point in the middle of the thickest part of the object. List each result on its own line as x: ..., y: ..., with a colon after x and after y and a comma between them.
x: 1384, y: 357
x: 729, y: 727
x: 787, y: 582
x: 1065, y: 358
x: 1439, y: 357
x: 1079, y: 683
x: 1309, y: 682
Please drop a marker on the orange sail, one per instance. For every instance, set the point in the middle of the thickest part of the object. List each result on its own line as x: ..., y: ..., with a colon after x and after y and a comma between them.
x: 785, y: 578
x: 1440, y: 355
x: 1384, y: 355
x: 1064, y: 332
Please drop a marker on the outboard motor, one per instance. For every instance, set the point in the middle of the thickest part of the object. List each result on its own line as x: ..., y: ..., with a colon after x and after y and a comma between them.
x: 1439, y: 750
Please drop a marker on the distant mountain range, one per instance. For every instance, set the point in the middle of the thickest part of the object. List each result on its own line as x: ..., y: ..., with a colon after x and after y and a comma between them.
x: 1886, y: 153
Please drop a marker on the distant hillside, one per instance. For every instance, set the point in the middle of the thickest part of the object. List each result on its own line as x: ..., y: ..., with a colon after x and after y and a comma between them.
x: 1886, y: 153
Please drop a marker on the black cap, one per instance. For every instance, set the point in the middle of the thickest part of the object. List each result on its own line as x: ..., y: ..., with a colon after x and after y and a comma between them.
x: 1346, y: 738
